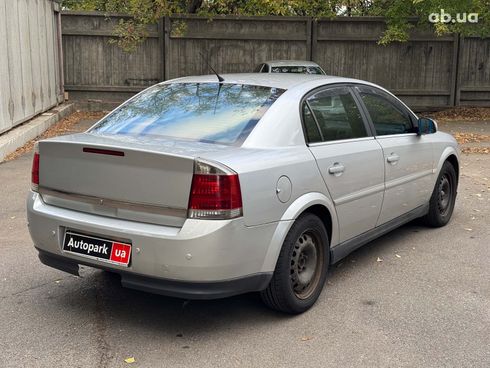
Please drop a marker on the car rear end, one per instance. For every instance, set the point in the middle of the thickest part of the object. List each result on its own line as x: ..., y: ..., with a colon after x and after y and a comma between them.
x: 135, y: 195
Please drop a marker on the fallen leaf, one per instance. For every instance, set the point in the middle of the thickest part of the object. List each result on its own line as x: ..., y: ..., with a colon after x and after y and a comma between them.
x: 130, y: 360
x: 468, y: 229
x: 306, y: 338
x: 379, y: 260
x: 12, y: 217
x: 461, y: 113
x: 398, y: 256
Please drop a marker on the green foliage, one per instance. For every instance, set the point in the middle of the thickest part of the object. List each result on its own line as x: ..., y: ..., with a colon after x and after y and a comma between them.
x: 398, y: 12
x: 179, y: 27
x: 315, y: 8
x: 131, y: 32
x: 96, y: 5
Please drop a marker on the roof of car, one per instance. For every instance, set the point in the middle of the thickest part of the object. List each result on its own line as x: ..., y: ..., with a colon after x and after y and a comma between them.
x: 276, y: 80
x: 291, y: 63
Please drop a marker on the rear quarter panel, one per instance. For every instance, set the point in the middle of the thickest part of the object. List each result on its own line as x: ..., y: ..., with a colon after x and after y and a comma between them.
x: 260, y: 170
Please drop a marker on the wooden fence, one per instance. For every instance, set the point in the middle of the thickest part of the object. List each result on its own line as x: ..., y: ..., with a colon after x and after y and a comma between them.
x: 421, y: 71
x: 427, y: 71
x: 473, y: 85
x: 30, y: 63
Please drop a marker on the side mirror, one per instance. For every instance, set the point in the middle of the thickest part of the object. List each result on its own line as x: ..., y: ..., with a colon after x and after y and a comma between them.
x: 426, y: 126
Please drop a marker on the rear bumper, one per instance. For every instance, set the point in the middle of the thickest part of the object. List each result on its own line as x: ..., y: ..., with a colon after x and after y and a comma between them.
x: 174, y: 288
x: 202, y: 259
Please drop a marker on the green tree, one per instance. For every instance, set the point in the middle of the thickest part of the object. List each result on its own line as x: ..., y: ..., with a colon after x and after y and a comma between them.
x: 131, y: 32
x: 96, y: 5
x: 398, y: 12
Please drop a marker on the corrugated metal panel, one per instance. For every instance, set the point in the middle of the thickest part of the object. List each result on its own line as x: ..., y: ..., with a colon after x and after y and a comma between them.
x: 5, y: 120
x: 29, y: 63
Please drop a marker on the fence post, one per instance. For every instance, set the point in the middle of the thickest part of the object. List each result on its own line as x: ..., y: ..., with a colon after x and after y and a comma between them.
x: 454, y: 97
x: 161, y: 42
x: 314, y: 39
x: 308, y: 39
x: 166, y: 53
x: 457, y: 97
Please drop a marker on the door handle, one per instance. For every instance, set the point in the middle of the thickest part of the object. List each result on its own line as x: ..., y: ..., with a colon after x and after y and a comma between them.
x: 393, y: 158
x: 336, y: 169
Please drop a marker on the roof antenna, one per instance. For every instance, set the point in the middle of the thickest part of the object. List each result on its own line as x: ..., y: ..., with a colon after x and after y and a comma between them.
x: 220, y: 78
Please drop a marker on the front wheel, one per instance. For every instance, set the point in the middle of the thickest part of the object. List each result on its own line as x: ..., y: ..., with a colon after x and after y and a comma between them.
x: 443, y: 197
x: 301, y: 267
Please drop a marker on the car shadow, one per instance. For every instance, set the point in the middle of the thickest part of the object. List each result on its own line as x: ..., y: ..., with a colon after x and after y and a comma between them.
x: 112, y: 304
x: 103, y: 297
x: 385, y: 244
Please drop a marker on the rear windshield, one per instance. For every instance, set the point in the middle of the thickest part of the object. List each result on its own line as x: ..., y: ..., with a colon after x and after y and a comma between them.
x: 207, y: 112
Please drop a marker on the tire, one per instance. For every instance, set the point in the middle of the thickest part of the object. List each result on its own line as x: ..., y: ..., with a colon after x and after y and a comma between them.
x: 441, y: 204
x: 301, y: 268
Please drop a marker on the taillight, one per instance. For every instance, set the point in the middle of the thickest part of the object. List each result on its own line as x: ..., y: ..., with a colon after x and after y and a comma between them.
x: 215, y: 192
x: 35, y: 171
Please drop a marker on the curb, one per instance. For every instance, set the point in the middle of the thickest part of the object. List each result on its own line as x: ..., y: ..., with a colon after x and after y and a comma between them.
x: 96, y: 105
x: 17, y: 137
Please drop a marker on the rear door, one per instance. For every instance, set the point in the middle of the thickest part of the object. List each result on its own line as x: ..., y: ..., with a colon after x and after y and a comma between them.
x: 349, y: 158
x: 407, y: 156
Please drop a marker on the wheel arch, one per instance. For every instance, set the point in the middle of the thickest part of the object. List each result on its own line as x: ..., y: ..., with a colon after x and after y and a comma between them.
x: 316, y: 203
x: 324, y: 215
x: 455, y: 162
x: 451, y: 155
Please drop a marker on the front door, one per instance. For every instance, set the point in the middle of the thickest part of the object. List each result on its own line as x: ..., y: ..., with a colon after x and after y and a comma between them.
x: 407, y: 156
x: 349, y: 158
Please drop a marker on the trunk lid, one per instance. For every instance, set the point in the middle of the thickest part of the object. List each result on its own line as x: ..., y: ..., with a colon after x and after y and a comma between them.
x: 146, y: 180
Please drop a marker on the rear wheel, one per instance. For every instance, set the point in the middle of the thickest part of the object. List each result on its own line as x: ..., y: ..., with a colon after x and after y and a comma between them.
x: 301, y: 267
x: 443, y: 197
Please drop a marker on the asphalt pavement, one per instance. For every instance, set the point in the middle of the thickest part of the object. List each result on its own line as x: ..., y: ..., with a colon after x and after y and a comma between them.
x: 417, y: 297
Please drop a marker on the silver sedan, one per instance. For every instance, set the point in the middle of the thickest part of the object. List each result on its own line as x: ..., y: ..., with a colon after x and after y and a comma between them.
x: 199, y: 188
x: 290, y: 66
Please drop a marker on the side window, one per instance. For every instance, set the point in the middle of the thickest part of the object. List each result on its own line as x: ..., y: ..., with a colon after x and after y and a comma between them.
x: 265, y: 69
x: 312, y: 132
x: 386, y: 116
x: 337, y: 114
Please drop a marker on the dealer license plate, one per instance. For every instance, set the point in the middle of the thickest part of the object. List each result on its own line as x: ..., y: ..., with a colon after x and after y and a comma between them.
x: 101, y: 249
